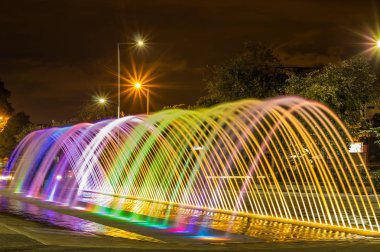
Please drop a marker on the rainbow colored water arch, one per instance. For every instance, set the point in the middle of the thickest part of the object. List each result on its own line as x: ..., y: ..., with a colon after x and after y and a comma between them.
x: 284, y: 159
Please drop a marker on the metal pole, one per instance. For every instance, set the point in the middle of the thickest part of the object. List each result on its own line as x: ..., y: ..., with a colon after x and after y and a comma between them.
x: 147, y: 101
x: 118, y: 80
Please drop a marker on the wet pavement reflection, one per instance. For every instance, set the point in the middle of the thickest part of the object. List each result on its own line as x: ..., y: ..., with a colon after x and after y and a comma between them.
x: 167, y: 220
x: 55, y: 219
x: 202, y: 224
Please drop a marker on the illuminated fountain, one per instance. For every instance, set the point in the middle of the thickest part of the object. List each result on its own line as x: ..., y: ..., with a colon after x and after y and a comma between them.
x: 283, y: 160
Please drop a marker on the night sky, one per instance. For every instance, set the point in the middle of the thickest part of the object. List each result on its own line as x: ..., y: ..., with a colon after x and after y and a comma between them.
x: 56, y: 54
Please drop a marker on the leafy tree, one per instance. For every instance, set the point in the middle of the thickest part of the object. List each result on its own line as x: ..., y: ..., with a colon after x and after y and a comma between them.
x: 176, y: 106
x: 12, y: 125
x: 254, y: 73
x: 88, y: 112
x: 179, y: 106
x: 207, y: 101
x: 26, y: 130
x: 3, y: 122
x: 5, y: 107
x: 344, y: 87
x: 376, y: 120
x: 93, y: 111
x: 8, y: 140
x: 371, y: 133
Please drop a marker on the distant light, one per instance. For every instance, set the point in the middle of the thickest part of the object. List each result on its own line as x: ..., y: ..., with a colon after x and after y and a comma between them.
x: 5, y: 178
x: 58, y: 177
x: 79, y: 208
x: 137, y: 85
x: 1, y: 118
x: 102, y: 100
x: 378, y: 43
x: 198, y: 147
x: 140, y: 43
x: 356, y: 147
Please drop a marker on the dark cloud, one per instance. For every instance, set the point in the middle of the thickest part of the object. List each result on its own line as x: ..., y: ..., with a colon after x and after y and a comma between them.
x: 54, y: 54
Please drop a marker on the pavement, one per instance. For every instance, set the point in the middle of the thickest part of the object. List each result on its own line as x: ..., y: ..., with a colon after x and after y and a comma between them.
x: 30, y: 225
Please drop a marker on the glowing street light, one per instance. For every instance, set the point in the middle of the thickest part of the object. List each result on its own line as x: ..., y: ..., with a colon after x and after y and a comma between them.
x: 139, y: 43
x: 138, y: 86
x: 102, y: 100
x: 378, y: 43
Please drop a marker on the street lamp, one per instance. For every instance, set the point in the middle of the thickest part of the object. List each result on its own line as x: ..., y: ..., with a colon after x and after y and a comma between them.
x: 102, y: 100
x: 378, y: 43
x: 138, y: 86
x: 139, y: 43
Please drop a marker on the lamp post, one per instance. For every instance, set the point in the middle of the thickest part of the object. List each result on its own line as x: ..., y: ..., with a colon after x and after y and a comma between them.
x: 139, y: 43
x: 147, y: 101
x: 138, y: 86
